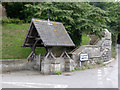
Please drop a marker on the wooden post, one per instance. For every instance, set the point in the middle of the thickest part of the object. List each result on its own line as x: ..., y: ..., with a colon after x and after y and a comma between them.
x: 49, y: 52
x: 65, y: 53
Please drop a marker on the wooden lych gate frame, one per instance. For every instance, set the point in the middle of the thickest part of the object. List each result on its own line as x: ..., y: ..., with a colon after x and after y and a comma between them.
x: 43, y: 34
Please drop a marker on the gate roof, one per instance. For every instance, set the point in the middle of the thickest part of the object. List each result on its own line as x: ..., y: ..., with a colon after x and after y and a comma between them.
x: 51, y: 34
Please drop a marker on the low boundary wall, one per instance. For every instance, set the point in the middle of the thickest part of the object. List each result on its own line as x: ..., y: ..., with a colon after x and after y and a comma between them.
x: 7, y: 65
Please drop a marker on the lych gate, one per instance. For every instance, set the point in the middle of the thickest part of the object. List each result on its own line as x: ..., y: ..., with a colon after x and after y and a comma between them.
x: 48, y: 34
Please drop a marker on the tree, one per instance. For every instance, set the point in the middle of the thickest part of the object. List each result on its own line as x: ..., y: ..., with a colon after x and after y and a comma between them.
x: 113, y: 9
x: 77, y: 17
x: 14, y: 9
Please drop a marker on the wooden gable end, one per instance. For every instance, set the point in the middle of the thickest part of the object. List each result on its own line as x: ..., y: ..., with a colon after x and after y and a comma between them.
x: 31, y: 37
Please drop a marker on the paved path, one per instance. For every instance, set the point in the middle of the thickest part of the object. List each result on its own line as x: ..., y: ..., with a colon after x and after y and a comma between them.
x: 105, y: 77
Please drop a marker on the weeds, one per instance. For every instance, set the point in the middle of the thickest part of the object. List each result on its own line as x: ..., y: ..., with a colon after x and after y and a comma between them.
x: 83, y: 68
x: 113, y: 51
x: 99, y: 62
x: 72, y: 70
x: 57, y: 73
x: 76, y: 69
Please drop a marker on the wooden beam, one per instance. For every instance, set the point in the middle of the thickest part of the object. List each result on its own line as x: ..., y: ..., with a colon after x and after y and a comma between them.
x: 31, y: 36
x: 37, y: 38
x: 32, y: 44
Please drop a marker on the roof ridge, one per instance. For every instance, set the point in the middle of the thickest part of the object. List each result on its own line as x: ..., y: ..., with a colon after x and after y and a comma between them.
x: 43, y: 20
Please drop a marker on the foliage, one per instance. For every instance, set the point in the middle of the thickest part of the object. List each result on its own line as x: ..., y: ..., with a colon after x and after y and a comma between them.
x: 9, y: 21
x: 76, y: 17
x: 91, y: 66
x: 72, y: 70
x: 76, y: 69
x: 14, y: 9
x: 104, y: 64
x: 114, y: 15
x: 57, y: 73
x: 113, y: 51
x: 85, y: 65
x: 99, y: 62
x: 83, y: 68
x: 12, y: 38
x: 113, y: 9
x: 85, y: 40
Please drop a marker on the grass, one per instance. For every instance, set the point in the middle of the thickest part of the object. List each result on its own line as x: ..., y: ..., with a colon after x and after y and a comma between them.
x: 76, y: 69
x: 83, y: 68
x: 113, y: 51
x: 72, y: 70
x: 13, y: 36
x: 57, y: 73
x: 0, y: 41
x: 91, y: 66
x: 99, y: 62
x: 85, y: 40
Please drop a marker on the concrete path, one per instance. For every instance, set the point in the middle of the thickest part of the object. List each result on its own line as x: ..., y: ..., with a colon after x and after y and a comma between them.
x: 105, y: 77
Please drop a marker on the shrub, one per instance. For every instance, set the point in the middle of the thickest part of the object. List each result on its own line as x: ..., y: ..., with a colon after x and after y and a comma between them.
x: 104, y: 64
x: 85, y: 65
x: 83, y: 68
x: 57, y: 73
x: 9, y: 20
x: 99, y: 62
x: 72, y: 70
x: 76, y: 69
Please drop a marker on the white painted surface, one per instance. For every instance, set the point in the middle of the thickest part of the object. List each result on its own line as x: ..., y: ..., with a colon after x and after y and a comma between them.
x: 83, y: 56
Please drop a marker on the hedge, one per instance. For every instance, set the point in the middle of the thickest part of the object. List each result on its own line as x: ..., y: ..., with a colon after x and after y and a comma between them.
x: 9, y: 20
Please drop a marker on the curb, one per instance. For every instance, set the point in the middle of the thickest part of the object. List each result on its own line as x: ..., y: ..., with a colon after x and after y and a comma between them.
x: 109, y: 61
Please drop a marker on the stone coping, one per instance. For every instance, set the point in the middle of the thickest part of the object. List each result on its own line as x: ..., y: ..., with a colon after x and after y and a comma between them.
x: 4, y: 60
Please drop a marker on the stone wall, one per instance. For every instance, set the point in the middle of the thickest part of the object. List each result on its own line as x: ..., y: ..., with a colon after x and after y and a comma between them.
x: 7, y: 65
x: 51, y: 65
x: 99, y: 52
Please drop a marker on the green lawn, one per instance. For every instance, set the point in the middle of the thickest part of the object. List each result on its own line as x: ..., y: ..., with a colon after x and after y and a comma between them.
x: 12, y: 38
x: 85, y: 39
